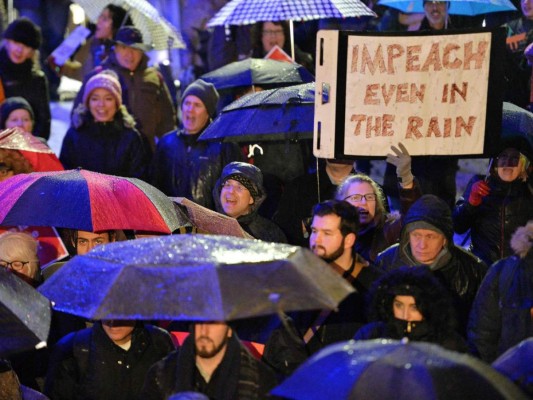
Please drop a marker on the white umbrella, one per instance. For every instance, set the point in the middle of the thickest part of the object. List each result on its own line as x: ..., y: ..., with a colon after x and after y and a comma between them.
x: 156, y: 30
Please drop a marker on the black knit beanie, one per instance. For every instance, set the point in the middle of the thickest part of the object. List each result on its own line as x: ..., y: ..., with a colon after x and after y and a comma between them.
x: 204, y: 91
x: 24, y: 31
x: 11, y: 104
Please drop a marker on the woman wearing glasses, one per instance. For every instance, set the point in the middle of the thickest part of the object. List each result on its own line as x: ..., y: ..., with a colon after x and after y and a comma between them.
x: 494, y: 206
x: 379, y: 229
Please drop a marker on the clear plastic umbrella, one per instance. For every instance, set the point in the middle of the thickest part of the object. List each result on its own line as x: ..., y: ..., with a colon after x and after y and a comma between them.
x: 156, y: 30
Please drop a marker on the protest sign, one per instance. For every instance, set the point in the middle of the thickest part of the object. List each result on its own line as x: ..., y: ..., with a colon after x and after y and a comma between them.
x: 433, y: 93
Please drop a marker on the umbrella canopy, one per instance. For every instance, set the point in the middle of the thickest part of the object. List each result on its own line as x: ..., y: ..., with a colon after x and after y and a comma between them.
x: 395, y: 370
x: 193, y: 278
x: 24, y: 315
x: 85, y: 200
x: 257, y: 71
x: 516, y: 364
x: 157, y: 31
x: 40, y: 156
x: 457, y: 7
x: 209, y: 221
x: 244, y: 12
x: 276, y: 114
x: 517, y: 129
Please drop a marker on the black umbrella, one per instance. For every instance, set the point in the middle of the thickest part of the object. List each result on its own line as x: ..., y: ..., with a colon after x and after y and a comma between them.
x: 276, y: 114
x: 395, y: 370
x: 258, y: 71
x: 193, y: 278
x: 517, y: 129
x: 24, y: 315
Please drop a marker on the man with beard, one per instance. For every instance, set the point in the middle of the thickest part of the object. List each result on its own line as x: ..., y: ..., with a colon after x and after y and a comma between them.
x: 333, y: 236
x: 211, y: 361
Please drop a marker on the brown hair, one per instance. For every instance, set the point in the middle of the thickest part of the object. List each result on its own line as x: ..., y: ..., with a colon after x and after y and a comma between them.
x: 15, y: 161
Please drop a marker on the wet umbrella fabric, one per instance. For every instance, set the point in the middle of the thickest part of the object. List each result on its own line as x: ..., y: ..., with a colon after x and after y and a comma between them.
x: 39, y: 155
x: 156, y: 30
x: 516, y: 364
x: 457, y: 7
x: 85, y: 200
x: 276, y: 114
x: 244, y: 12
x: 257, y: 71
x: 396, y: 370
x: 517, y: 129
x: 24, y: 315
x: 193, y: 278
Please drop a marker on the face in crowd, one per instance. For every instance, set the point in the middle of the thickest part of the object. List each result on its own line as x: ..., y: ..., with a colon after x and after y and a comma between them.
x: 86, y: 241
x: 436, y: 13
x: 405, y: 308
x: 326, y: 239
x: 527, y: 8
x: 104, y: 25
x: 211, y: 339
x: 426, y: 245
x: 272, y: 35
x: 362, y: 196
x: 128, y: 57
x: 235, y: 198
x: 194, y: 114
x: 18, y: 253
x: 102, y: 105
x: 510, y: 164
x: 119, y: 331
x: 20, y: 118
x: 18, y: 52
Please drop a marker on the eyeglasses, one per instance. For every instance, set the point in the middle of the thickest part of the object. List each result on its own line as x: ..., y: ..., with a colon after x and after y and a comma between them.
x: 277, y: 32
x: 15, y: 265
x: 359, y: 197
x: 236, y: 187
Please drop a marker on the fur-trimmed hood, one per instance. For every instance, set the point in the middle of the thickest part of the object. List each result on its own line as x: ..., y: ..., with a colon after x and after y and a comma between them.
x: 522, y: 240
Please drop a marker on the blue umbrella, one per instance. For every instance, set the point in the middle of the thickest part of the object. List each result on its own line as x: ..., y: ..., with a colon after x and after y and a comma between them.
x: 395, y: 370
x: 258, y: 71
x: 276, y: 114
x: 457, y: 7
x: 516, y: 364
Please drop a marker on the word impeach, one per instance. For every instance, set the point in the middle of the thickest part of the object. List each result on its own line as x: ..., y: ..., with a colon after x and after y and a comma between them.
x: 393, y: 58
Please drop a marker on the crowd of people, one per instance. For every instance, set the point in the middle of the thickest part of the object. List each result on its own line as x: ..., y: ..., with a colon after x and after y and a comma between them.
x: 392, y: 242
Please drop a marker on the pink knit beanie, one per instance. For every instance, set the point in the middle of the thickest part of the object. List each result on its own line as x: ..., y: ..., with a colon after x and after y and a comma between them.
x: 105, y: 80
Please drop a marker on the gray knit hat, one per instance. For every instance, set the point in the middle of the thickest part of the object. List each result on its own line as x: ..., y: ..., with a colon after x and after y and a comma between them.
x: 204, y: 91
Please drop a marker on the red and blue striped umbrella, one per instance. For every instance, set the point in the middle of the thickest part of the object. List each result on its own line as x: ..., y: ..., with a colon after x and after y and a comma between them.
x: 85, y: 200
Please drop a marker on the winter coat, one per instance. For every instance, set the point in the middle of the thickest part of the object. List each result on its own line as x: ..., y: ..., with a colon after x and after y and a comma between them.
x: 507, y: 206
x: 457, y: 269
x: 517, y: 70
x: 186, y: 167
x: 145, y: 95
x: 285, y: 352
x: 501, y: 314
x: 252, y: 223
x: 374, y: 238
x: 87, y: 57
x: 416, y: 331
x: 106, y: 147
x: 88, y: 365
x: 26, y: 80
x: 297, y: 201
x: 239, y: 376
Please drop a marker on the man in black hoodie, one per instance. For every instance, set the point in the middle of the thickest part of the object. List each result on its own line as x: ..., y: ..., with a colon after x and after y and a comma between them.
x: 427, y: 238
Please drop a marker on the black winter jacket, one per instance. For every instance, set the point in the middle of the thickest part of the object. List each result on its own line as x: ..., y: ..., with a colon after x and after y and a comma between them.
x: 507, y: 206
x: 182, y: 166
x: 26, y: 80
x: 88, y: 365
x: 106, y: 147
x: 501, y: 314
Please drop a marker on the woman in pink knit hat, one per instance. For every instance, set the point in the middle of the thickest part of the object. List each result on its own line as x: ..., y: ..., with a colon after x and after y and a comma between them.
x: 102, y: 136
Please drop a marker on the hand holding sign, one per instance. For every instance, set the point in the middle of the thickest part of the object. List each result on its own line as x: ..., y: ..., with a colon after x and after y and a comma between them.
x: 402, y: 160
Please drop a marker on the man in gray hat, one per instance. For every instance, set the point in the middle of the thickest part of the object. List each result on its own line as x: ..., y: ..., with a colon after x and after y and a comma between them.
x: 144, y: 91
x: 185, y: 167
